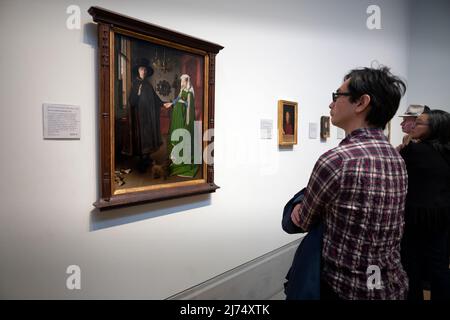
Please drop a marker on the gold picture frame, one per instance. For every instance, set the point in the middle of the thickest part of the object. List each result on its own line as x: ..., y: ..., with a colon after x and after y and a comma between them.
x: 387, y: 131
x: 287, y: 123
x: 156, y: 93
x: 324, y: 127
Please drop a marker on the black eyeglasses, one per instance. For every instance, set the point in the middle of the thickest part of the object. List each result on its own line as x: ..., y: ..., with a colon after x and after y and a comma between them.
x: 335, y: 95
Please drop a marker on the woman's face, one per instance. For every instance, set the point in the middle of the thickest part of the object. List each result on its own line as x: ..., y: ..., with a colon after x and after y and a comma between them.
x: 421, y: 128
x: 287, y: 117
x: 183, y: 83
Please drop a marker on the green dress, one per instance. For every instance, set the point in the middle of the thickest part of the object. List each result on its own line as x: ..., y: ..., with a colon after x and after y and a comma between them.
x: 183, y: 117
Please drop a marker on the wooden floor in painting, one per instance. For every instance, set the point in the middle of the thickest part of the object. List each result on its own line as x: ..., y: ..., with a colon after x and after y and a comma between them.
x: 136, y: 179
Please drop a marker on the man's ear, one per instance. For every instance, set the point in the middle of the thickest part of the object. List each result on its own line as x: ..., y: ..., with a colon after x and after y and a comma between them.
x: 363, y: 103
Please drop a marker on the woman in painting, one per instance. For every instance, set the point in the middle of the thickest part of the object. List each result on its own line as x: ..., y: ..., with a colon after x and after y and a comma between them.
x: 183, y: 117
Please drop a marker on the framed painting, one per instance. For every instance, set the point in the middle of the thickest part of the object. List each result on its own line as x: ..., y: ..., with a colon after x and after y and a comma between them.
x: 324, y: 127
x: 387, y: 131
x: 287, y: 122
x: 156, y: 111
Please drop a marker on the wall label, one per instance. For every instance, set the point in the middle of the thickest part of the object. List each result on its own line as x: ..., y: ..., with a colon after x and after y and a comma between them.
x: 61, y: 121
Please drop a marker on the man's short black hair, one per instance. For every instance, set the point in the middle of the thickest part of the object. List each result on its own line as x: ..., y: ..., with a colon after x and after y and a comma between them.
x: 385, y: 91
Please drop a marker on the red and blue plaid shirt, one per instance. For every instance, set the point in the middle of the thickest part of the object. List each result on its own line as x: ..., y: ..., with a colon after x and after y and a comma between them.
x: 358, y: 190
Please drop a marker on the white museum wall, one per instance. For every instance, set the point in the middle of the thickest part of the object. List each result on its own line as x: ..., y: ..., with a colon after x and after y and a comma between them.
x: 297, y: 50
x: 429, y: 64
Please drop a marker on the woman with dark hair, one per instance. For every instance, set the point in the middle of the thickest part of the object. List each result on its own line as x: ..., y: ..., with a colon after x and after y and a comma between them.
x: 425, y: 252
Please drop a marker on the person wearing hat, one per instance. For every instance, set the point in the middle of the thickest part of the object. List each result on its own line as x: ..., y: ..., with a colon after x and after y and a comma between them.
x: 425, y: 247
x: 409, y: 118
x: 145, y: 112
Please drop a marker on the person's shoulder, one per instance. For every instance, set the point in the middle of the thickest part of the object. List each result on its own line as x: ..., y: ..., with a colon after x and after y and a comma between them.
x: 332, y: 153
x: 343, y: 150
x: 417, y: 152
x: 331, y: 158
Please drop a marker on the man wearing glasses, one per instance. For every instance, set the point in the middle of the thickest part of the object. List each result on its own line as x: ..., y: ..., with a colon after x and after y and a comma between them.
x: 358, y: 190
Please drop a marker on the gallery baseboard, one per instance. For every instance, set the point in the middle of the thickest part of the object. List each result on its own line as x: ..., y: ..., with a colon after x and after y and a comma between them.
x: 258, y: 279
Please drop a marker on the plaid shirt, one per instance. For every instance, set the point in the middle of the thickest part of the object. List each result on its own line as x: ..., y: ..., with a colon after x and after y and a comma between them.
x: 358, y: 190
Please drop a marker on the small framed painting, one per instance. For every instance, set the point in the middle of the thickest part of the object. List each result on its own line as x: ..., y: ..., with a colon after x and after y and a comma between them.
x: 324, y: 127
x: 287, y: 122
x: 387, y: 131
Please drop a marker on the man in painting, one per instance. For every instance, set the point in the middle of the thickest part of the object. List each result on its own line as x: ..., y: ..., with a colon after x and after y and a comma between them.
x: 183, y: 117
x: 358, y: 191
x: 145, y: 111
x: 288, y: 128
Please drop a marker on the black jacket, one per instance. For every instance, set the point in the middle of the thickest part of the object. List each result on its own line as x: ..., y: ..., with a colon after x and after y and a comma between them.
x: 303, y: 278
x: 428, y: 199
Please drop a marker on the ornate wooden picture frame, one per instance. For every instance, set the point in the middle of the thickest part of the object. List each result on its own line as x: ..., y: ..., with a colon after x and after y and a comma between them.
x: 287, y: 123
x: 387, y: 131
x: 324, y: 127
x: 156, y: 111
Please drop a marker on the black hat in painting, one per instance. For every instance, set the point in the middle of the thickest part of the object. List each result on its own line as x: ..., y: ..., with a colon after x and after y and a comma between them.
x: 143, y: 62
